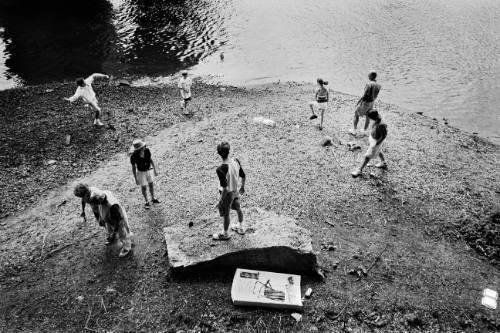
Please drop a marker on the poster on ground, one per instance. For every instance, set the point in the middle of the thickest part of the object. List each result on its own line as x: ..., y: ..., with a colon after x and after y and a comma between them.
x: 266, y: 289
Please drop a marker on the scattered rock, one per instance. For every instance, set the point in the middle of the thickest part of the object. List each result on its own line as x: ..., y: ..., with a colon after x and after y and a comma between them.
x: 124, y: 83
x: 326, y: 141
x: 352, y: 146
x: 190, y: 224
x: 110, y: 290
x: 359, y: 271
x: 80, y: 298
x: 420, y: 113
x: 50, y: 162
x: 297, y: 316
x: 413, y: 320
x: 49, y: 90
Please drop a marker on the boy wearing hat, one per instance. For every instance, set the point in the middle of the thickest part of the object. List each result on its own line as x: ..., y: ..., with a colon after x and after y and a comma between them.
x: 376, y: 140
x: 141, y: 168
x: 86, y: 93
x: 185, y: 89
x: 109, y: 213
x: 229, y: 173
x: 366, y: 102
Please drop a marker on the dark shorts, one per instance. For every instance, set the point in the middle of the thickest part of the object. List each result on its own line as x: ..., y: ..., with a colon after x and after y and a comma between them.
x: 227, y: 202
x: 187, y: 99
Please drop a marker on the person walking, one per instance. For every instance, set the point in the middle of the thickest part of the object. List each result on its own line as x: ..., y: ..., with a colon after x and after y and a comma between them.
x: 184, y: 86
x: 109, y: 213
x: 229, y: 173
x: 376, y: 140
x: 85, y: 91
x: 321, y: 101
x: 366, y: 102
x: 141, y: 169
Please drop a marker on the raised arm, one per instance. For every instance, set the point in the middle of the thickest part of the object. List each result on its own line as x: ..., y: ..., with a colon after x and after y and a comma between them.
x: 99, y: 76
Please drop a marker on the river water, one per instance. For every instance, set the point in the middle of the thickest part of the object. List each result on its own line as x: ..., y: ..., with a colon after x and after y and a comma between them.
x: 440, y: 57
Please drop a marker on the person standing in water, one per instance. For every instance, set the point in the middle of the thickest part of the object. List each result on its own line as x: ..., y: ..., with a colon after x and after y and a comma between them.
x: 321, y: 101
x: 366, y: 102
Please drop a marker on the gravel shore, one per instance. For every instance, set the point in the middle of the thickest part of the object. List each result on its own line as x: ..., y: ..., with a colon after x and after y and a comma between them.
x: 427, y: 226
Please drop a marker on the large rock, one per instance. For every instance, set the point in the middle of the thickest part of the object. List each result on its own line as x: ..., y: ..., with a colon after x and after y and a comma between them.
x: 272, y: 242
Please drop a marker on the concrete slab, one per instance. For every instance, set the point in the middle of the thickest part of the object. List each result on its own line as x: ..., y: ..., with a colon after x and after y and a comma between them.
x: 272, y: 242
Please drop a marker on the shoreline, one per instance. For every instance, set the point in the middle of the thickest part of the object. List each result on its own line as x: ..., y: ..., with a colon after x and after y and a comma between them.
x: 431, y: 207
x: 160, y: 81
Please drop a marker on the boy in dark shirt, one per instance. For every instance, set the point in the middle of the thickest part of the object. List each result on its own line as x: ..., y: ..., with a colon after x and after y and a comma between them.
x: 229, y: 173
x: 141, y: 168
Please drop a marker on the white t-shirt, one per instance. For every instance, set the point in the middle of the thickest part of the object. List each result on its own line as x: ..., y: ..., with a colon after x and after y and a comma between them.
x: 86, y: 93
x: 185, y: 86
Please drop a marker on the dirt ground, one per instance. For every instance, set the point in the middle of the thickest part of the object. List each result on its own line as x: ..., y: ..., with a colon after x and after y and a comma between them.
x: 425, y: 228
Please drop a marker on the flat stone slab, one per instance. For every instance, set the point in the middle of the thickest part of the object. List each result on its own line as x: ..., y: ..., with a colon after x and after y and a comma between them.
x: 272, y: 242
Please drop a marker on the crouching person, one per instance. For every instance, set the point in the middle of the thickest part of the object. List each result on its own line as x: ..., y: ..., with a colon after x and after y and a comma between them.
x: 109, y: 213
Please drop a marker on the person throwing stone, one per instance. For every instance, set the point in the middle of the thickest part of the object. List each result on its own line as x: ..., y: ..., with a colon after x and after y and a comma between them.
x: 229, y: 173
x: 376, y: 140
x: 109, y: 213
x: 86, y: 93
x: 185, y: 89
x: 321, y: 101
x: 141, y: 169
x: 365, y: 103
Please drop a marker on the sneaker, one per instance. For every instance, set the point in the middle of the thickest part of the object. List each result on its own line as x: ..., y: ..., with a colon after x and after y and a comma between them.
x: 123, y: 252
x: 237, y: 229
x: 313, y: 117
x: 147, y: 205
x: 352, y: 131
x: 111, y: 239
x: 221, y: 236
x: 98, y: 123
x: 356, y: 173
x: 155, y: 201
x: 381, y: 165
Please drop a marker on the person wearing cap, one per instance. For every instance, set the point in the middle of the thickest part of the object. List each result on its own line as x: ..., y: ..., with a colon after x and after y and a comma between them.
x: 321, y: 101
x: 86, y: 93
x: 185, y: 89
x: 141, y: 169
x: 229, y: 173
x: 376, y: 140
x: 366, y: 102
x: 109, y: 213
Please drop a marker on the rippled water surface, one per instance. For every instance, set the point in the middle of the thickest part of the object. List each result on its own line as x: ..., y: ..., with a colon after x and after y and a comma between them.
x: 436, y: 56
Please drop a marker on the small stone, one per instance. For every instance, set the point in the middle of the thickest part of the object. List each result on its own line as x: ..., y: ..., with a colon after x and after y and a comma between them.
x: 313, y: 329
x: 327, y: 141
x: 296, y: 316
x: 190, y: 224
x: 420, y: 113
x: 50, y: 162
x: 110, y: 290
x: 80, y: 298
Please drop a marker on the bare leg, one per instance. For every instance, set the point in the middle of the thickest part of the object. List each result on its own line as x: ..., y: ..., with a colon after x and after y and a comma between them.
x: 311, y: 105
x: 227, y: 220
x: 365, y: 162
x: 367, y: 122
x: 151, y: 190
x: 144, y: 193
x: 322, y: 114
x: 355, y: 122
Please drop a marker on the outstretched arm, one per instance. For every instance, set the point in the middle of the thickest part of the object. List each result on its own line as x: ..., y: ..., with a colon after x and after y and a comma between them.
x: 72, y: 98
x: 99, y: 76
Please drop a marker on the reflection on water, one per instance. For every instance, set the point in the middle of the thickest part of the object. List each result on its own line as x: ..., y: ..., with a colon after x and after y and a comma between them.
x: 435, y: 56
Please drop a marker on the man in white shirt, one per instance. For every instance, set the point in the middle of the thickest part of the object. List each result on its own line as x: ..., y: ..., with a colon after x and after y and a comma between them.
x: 185, y: 88
x: 86, y: 93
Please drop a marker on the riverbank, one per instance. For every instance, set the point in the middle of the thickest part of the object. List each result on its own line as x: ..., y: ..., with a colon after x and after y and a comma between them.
x: 426, y: 211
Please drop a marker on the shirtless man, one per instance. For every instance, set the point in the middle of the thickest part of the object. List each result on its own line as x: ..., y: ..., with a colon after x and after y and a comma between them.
x: 365, y: 103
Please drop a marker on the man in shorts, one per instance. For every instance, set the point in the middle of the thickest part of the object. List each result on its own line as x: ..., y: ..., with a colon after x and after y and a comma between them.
x: 185, y: 89
x: 229, y: 173
x: 109, y: 213
x: 141, y: 169
x: 365, y: 103
x: 86, y: 93
x: 376, y: 141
